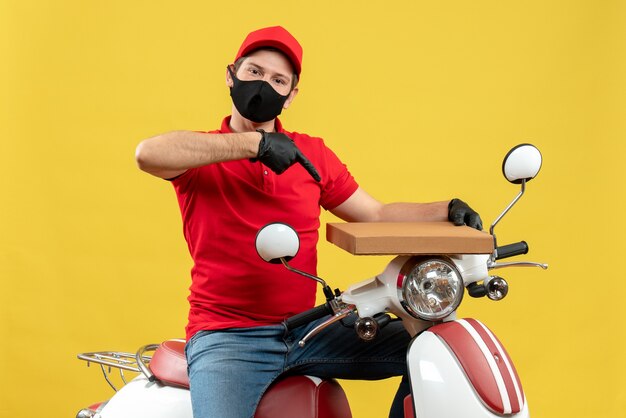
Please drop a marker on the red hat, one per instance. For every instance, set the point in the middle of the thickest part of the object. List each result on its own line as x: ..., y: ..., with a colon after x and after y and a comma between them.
x: 273, y: 37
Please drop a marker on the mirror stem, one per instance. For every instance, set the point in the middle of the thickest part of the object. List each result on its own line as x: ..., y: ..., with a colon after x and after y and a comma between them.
x: 508, y: 208
x: 302, y: 273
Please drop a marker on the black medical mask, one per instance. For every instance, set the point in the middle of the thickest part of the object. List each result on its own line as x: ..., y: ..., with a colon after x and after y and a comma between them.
x: 256, y: 100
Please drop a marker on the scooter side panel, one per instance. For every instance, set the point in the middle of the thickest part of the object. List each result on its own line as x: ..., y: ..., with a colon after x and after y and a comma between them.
x: 143, y: 399
x: 485, y: 362
x: 439, y: 385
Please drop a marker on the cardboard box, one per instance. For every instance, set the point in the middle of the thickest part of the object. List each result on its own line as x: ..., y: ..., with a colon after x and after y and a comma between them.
x: 408, y: 238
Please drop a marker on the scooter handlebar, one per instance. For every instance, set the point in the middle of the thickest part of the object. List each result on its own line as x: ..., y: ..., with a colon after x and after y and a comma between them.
x: 308, y: 316
x: 511, y: 250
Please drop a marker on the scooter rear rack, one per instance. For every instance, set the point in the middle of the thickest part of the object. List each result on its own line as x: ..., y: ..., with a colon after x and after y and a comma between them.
x: 109, y: 360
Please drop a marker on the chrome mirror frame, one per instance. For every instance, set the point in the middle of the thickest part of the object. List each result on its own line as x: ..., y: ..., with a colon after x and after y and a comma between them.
x: 277, y: 241
x: 520, y: 165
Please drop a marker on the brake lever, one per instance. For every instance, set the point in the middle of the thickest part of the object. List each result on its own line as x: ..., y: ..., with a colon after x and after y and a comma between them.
x: 494, y: 265
x: 341, y: 314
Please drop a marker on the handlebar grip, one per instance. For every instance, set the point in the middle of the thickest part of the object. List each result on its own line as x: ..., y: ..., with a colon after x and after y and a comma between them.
x: 511, y: 250
x: 308, y: 316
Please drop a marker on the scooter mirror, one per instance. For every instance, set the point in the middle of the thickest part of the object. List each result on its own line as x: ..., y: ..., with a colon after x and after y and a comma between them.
x: 275, y: 241
x: 522, y: 162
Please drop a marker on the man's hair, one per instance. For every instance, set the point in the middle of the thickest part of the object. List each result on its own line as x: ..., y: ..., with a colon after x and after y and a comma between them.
x: 294, y: 78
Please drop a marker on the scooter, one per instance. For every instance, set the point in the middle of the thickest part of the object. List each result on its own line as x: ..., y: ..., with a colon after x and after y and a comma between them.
x: 448, y: 358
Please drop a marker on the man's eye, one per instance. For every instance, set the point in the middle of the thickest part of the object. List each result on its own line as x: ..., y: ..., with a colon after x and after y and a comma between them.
x: 254, y: 71
x: 279, y: 81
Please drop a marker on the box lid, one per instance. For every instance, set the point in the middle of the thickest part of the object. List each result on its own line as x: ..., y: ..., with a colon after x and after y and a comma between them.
x: 408, y: 238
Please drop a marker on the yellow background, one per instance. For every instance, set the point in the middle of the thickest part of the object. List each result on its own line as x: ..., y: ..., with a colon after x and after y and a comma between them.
x: 421, y: 99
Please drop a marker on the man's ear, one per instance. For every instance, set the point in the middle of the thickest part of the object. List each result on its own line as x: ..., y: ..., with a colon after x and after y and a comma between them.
x: 229, y: 79
x: 292, y: 96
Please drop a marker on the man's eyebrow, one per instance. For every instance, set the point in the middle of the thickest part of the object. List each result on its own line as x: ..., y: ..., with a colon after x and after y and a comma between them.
x: 258, y: 67
x: 255, y: 66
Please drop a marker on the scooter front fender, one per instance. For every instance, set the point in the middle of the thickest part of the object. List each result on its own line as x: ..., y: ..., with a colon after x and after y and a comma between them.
x: 459, y: 368
x: 141, y: 398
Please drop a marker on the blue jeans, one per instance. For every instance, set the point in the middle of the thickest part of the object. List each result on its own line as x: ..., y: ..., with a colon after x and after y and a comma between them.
x: 229, y: 370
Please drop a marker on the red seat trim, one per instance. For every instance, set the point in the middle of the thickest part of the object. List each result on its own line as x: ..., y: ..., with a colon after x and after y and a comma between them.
x: 409, y: 412
x: 304, y: 397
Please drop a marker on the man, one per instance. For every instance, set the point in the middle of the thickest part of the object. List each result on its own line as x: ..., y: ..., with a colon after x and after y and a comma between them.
x: 231, y: 182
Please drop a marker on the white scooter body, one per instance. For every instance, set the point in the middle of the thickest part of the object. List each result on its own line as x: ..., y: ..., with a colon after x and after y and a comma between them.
x: 441, y: 387
x: 459, y: 357
x: 141, y: 398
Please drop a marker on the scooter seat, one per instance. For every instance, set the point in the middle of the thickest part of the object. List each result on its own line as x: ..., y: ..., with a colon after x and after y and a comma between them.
x: 288, y: 397
x: 169, y: 363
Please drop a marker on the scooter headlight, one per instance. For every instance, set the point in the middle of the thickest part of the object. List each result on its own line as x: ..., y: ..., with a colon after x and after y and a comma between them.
x: 430, y: 289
